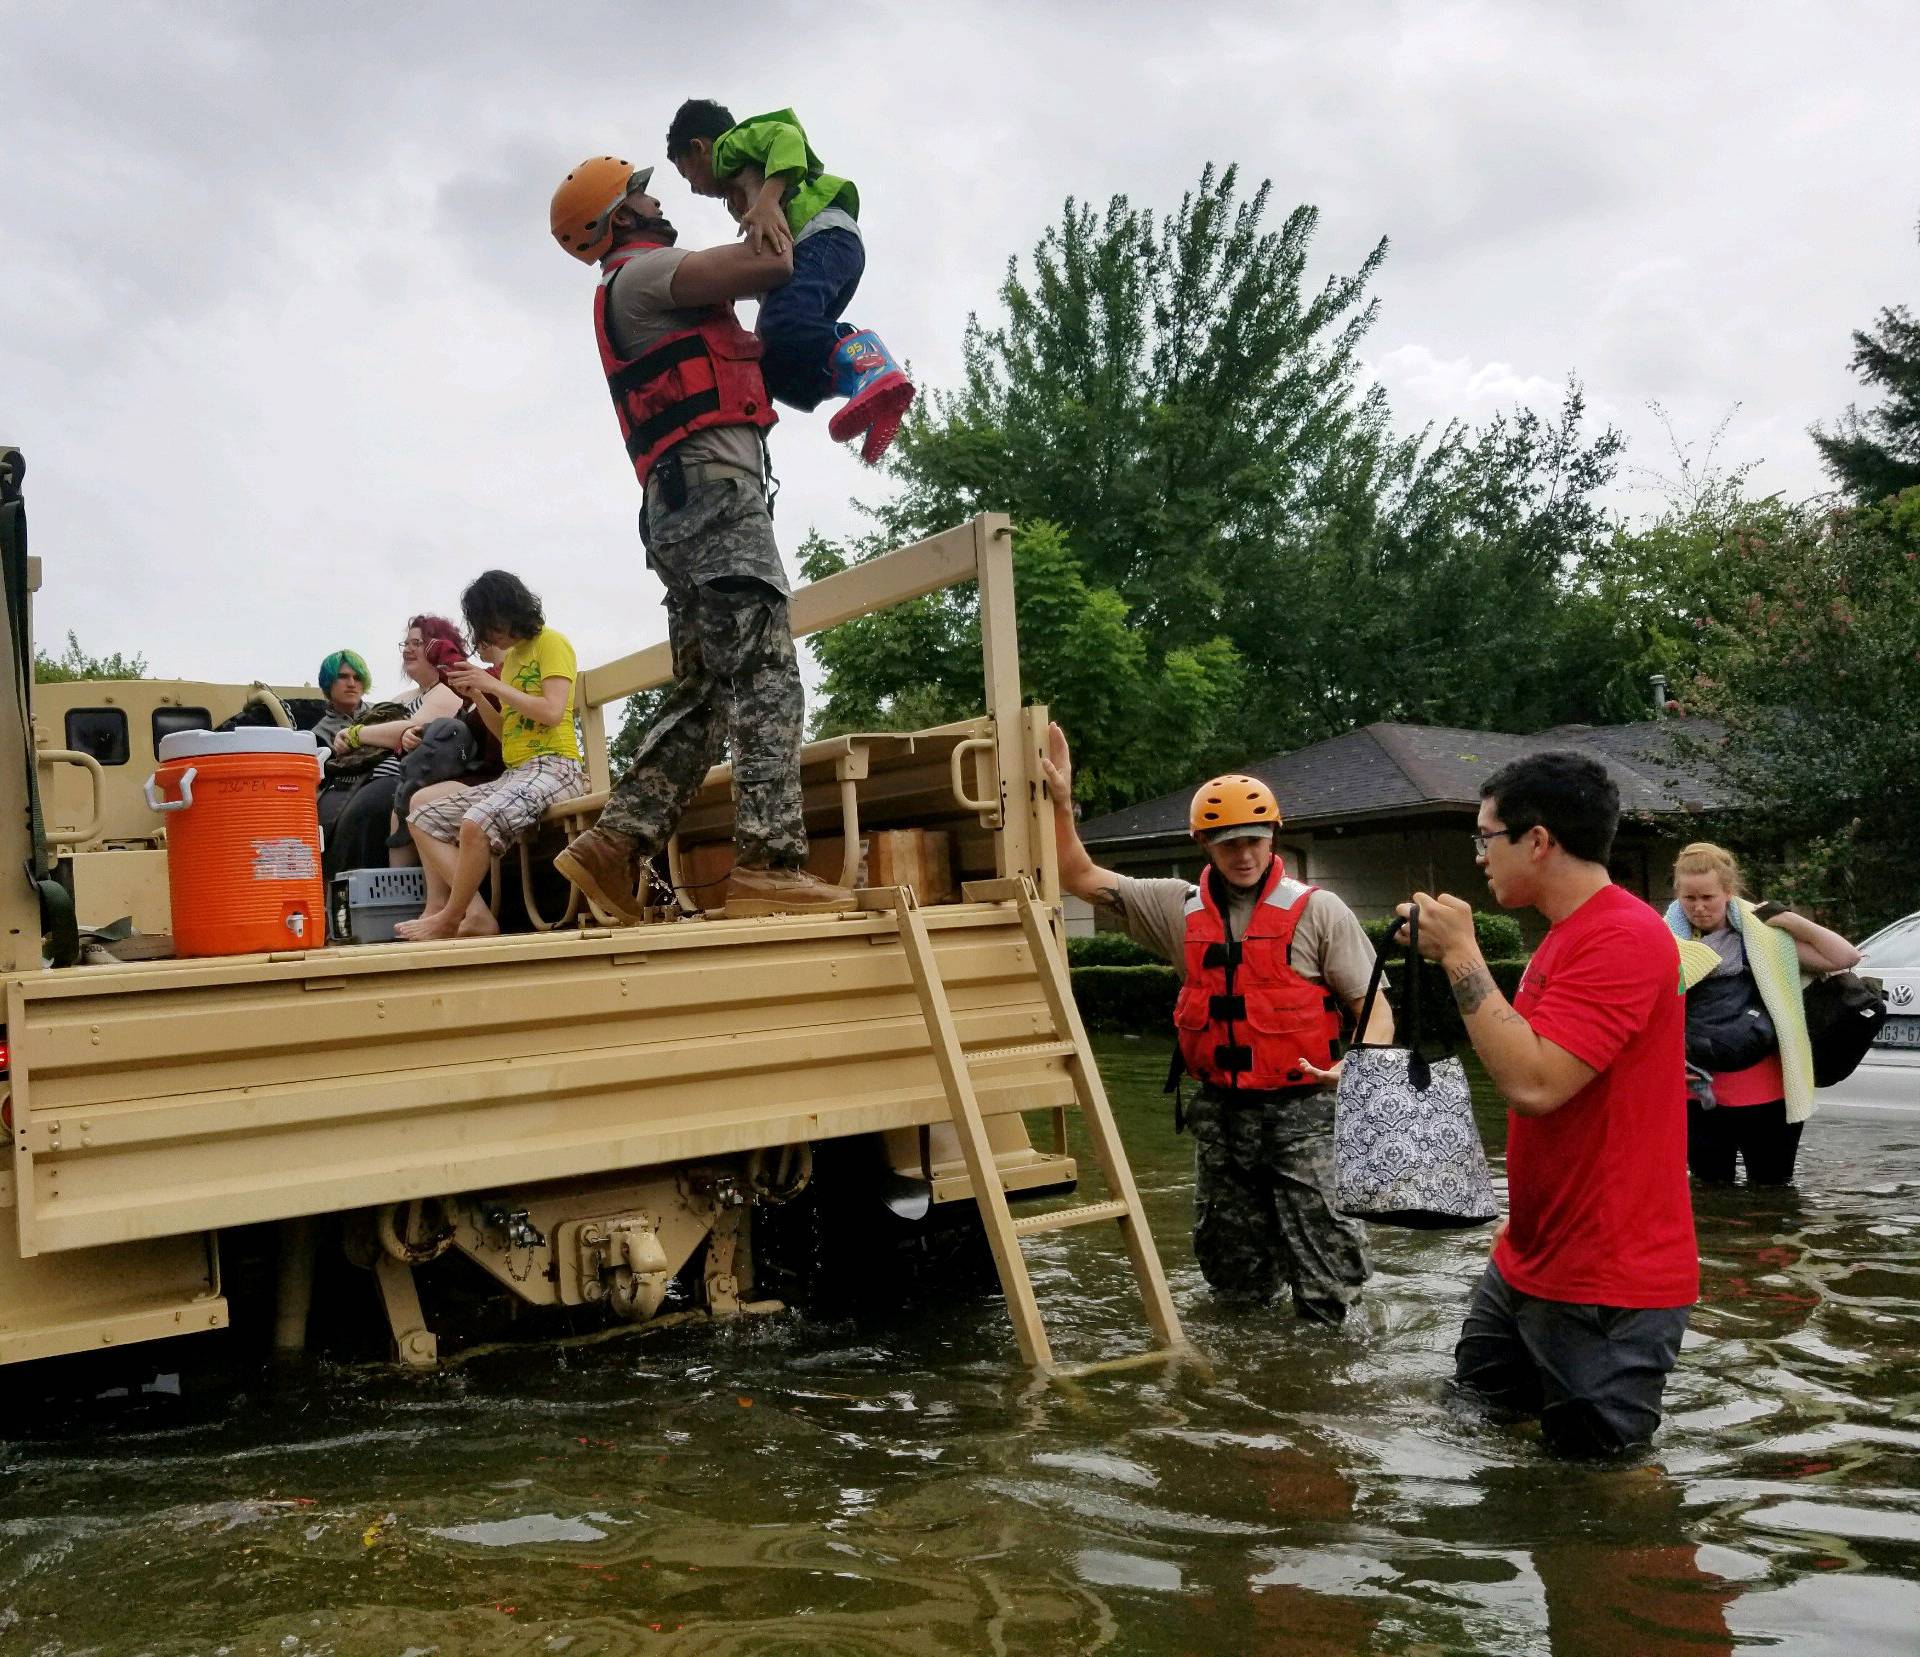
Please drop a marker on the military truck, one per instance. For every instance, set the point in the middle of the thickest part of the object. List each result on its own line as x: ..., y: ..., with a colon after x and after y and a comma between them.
x: 593, y: 1116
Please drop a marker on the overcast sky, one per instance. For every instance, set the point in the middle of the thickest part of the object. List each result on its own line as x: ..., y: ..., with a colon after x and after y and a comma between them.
x: 292, y: 355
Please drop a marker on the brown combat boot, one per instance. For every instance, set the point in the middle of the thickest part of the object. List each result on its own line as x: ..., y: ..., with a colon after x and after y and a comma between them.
x: 781, y: 892
x: 606, y: 867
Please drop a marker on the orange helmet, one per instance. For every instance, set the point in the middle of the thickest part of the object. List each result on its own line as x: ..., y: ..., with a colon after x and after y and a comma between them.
x: 583, y: 205
x: 1232, y: 801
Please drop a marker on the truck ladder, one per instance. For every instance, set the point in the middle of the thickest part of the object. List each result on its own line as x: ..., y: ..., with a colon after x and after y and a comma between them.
x: 1004, y: 1232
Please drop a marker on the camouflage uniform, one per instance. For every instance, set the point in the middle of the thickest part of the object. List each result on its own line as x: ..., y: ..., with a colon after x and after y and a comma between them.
x: 736, y: 678
x: 1262, y: 1177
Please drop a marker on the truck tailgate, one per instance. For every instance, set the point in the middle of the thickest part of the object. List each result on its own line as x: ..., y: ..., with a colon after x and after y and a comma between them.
x: 167, y: 1097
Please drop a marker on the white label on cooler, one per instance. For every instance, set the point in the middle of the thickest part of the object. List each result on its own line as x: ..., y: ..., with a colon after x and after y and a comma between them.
x: 286, y: 859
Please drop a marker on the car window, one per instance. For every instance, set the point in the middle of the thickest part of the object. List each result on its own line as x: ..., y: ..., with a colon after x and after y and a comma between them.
x: 1895, y: 948
x: 101, y: 732
x: 168, y: 721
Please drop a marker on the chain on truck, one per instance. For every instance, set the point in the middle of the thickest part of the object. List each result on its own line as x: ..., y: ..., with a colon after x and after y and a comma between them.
x: 574, y: 1114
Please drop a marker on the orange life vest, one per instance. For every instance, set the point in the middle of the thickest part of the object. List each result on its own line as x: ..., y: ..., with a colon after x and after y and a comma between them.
x: 1246, y: 1019
x: 699, y: 377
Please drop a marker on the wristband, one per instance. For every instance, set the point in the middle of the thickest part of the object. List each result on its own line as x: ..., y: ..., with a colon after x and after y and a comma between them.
x: 352, y: 734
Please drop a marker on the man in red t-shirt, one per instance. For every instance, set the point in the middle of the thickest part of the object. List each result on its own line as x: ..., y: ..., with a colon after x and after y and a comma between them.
x: 1579, y: 1315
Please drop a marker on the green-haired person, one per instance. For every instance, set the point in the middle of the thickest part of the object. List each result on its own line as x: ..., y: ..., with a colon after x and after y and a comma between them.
x: 343, y: 681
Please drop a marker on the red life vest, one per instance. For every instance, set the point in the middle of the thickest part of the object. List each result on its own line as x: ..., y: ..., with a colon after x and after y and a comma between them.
x: 704, y: 376
x: 1246, y: 1019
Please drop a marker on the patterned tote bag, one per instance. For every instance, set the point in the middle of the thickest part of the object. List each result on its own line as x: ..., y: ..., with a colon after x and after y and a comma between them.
x: 1406, y: 1151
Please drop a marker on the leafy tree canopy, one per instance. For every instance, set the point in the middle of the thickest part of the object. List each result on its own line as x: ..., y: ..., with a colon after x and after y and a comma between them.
x: 1810, y: 656
x: 1223, y: 548
x: 1877, y: 454
x: 74, y: 663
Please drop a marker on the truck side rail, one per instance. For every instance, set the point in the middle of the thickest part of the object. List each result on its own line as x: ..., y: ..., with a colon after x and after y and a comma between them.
x: 1006, y: 741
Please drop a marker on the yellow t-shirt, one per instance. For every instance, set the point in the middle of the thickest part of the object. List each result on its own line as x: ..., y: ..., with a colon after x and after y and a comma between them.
x: 527, y: 668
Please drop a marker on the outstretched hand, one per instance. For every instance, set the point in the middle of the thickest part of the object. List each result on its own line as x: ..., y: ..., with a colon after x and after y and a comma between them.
x: 1056, y: 764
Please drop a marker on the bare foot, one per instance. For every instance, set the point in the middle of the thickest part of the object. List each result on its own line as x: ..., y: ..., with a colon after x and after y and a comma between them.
x: 479, y: 923
x: 438, y: 924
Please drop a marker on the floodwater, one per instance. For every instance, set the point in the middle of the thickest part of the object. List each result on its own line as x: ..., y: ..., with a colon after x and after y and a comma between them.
x: 784, y: 1485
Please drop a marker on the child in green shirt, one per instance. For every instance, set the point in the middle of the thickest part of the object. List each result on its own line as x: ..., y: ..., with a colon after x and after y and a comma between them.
x: 776, y: 187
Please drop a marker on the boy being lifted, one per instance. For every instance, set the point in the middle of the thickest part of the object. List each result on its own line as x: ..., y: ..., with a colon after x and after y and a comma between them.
x: 777, y: 189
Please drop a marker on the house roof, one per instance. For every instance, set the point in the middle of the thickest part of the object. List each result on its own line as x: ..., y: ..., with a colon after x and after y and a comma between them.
x: 1390, y: 770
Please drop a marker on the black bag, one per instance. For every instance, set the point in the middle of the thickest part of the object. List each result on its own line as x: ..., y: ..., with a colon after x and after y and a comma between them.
x: 1727, y: 1025
x: 448, y: 751
x: 1844, y: 1015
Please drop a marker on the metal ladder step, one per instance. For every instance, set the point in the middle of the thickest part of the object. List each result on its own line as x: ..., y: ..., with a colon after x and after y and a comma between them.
x: 1059, y: 1219
x: 1024, y: 1050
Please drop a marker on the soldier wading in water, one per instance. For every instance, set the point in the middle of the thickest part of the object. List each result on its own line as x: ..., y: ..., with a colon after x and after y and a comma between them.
x: 693, y: 408
x: 1266, y: 964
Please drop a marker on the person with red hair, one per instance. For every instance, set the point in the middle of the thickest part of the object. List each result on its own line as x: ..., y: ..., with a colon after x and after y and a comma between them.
x: 359, y: 838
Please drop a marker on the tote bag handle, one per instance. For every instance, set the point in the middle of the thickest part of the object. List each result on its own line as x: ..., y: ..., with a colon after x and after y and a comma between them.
x: 1419, y: 1070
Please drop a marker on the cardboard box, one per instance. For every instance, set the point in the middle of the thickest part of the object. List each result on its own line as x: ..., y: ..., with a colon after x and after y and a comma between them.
x: 920, y: 858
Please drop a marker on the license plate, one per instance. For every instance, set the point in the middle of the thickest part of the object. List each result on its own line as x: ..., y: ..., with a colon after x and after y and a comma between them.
x: 1899, y: 1031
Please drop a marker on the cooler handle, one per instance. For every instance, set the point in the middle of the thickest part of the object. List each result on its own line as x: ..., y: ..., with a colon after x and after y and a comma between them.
x: 154, y: 801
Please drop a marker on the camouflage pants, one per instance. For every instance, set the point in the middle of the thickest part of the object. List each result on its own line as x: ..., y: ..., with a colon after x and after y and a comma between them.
x: 1263, y: 1209
x: 736, y: 678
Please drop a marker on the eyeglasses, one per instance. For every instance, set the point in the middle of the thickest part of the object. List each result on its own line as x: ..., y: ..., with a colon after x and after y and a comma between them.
x: 413, y: 644
x: 1482, y: 841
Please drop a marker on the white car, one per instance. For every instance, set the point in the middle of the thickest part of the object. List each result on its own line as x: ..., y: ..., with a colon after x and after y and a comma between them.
x: 1889, y: 1076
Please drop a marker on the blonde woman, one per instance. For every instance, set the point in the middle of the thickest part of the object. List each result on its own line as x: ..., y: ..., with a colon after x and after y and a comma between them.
x: 1745, y: 1025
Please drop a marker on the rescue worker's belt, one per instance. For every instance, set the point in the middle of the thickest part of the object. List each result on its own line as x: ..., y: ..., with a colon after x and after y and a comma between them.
x: 697, y: 472
x: 1252, y: 1097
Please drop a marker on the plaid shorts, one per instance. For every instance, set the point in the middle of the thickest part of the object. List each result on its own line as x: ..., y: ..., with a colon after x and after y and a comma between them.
x: 509, y: 806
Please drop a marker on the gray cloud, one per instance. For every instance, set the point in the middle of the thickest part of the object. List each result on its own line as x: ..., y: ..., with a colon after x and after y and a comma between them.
x: 284, y: 335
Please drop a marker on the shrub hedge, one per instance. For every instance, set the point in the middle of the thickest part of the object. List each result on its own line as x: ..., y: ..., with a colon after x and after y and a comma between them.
x: 1498, y: 934
x: 1139, y: 999
x: 1109, y: 949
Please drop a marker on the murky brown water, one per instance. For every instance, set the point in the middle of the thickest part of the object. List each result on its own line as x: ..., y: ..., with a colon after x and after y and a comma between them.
x: 793, y: 1486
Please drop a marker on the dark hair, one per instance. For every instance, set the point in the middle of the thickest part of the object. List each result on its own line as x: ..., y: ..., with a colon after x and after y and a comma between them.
x: 499, y: 602
x: 1568, y: 795
x: 696, y: 118
x: 437, y: 627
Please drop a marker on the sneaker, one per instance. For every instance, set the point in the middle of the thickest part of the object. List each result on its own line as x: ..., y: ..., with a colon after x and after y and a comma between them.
x: 606, y: 868
x: 781, y: 892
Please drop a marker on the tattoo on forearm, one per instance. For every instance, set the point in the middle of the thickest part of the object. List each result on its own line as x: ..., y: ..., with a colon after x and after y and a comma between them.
x: 1108, y: 897
x: 1471, y: 989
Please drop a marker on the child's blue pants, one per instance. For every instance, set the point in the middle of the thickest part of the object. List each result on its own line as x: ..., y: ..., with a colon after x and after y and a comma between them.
x: 798, y: 321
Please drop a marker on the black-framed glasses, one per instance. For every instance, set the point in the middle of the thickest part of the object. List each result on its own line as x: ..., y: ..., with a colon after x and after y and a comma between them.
x: 1482, y: 841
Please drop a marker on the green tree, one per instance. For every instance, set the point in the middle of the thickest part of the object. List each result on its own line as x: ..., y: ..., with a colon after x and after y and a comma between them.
x: 1877, y: 454
x: 1167, y: 390
x: 918, y: 664
x: 74, y: 663
x: 1444, y: 588
x: 1229, y: 548
x: 1810, y: 657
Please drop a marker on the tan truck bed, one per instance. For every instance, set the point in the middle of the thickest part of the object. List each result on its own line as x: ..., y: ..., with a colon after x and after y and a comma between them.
x: 167, y: 1097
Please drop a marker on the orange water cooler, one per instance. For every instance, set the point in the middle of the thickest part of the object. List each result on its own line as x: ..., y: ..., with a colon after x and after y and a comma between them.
x: 243, y: 840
